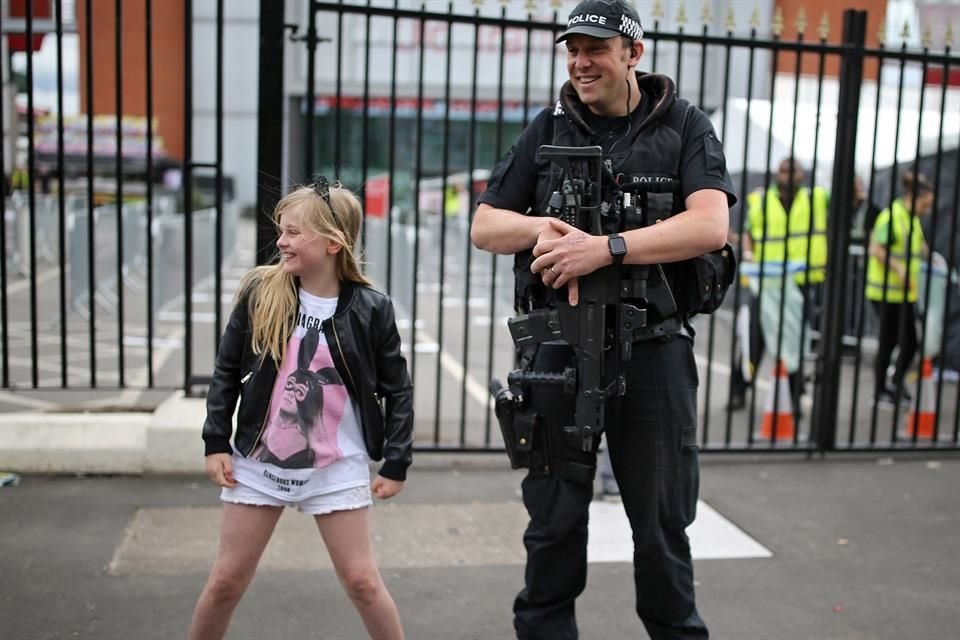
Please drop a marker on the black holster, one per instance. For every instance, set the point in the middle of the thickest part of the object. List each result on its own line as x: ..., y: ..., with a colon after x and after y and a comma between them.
x: 517, y: 425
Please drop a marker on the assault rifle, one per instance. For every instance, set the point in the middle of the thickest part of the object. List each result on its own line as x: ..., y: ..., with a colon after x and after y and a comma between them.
x: 601, y: 328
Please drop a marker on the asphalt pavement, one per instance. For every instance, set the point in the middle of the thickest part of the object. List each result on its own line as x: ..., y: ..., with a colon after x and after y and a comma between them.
x: 859, y: 548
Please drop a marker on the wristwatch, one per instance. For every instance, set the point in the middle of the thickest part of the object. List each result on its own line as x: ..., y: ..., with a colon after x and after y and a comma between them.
x: 618, y: 247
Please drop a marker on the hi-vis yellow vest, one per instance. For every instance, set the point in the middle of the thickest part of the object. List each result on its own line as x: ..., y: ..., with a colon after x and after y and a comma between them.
x: 903, y: 225
x: 791, y: 234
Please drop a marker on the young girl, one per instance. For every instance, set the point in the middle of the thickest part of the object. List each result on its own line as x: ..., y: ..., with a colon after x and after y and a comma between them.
x: 311, y: 351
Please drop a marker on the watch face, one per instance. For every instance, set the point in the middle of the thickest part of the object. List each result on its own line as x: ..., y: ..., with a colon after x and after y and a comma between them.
x: 618, y: 246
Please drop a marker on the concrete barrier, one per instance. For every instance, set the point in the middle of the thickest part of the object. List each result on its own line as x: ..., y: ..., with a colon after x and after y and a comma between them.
x: 165, y: 441
x: 73, y: 443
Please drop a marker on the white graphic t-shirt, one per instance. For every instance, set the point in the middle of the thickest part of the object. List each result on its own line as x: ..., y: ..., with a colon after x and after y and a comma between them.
x: 312, y: 443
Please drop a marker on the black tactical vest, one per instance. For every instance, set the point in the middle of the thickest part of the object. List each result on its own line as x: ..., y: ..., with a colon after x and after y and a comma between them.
x: 653, y: 154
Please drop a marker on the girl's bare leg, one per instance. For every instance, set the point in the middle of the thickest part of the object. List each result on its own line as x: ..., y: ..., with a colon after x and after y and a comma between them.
x: 244, y: 534
x: 347, y: 537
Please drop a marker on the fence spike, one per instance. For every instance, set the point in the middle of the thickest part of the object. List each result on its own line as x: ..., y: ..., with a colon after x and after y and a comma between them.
x: 927, y: 38
x: 531, y: 6
x: 477, y: 3
x: 882, y: 33
x: 948, y: 35
x: 755, y: 18
x: 905, y: 32
x: 682, y: 14
x: 706, y: 15
x: 778, y: 22
x: 824, y: 28
x: 801, y: 21
x: 556, y: 4
x: 731, y: 22
x: 657, y: 12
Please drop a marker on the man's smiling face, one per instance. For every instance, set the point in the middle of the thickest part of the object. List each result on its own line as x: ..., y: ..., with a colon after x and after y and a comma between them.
x: 598, y: 70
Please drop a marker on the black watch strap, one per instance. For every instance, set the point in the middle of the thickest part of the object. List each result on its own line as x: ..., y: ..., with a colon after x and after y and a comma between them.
x: 618, y: 247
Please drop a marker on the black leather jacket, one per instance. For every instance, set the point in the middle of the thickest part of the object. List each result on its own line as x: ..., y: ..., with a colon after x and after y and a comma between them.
x: 365, y: 345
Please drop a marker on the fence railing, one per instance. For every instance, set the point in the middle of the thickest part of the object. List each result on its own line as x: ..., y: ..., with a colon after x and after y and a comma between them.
x: 412, y: 104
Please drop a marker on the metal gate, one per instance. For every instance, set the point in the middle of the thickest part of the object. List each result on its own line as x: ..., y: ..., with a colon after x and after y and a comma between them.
x: 411, y: 104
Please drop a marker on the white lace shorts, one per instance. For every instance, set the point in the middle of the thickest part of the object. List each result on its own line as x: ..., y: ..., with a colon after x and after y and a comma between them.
x: 342, y: 500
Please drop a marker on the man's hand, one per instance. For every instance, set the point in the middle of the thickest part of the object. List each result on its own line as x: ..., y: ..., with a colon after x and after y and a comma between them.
x: 573, y: 253
x: 220, y: 470
x: 385, y: 488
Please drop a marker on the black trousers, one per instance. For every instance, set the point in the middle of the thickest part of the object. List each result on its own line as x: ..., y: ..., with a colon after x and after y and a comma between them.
x: 894, y: 317
x: 653, y: 451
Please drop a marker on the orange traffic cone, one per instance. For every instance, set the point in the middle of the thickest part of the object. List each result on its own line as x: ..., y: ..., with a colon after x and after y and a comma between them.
x: 920, y: 423
x: 778, y: 420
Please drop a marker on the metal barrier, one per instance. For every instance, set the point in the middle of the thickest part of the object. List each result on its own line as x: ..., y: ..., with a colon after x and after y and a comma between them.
x: 410, y: 100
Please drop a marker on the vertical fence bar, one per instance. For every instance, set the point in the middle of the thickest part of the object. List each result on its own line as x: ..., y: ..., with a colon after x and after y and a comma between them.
x: 765, y: 234
x: 656, y: 45
x: 218, y: 193
x: 679, y: 59
x: 728, y: 426
x: 443, y: 226
x: 863, y: 280
x: 61, y: 201
x: 269, y: 124
x: 946, y: 309
x: 391, y: 151
x: 913, y: 214
x: 526, y: 73
x: 893, y: 194
x: 933, y: 242
x: 311, y: 99
x: 951, y: 260
x: 711, y: 323
x: 838, y: 232
x: 817, y: 289
x: 468, y: 252
x: 4, y: 320
x: 365, y: 125
x: 553, y: 62
x: 118, y: 170
x: 417, y: 176
x: 804, y: 290
x: 751, y: 60
x: 32, y: 199
x: 148, y: 40
x: 91, y: 217
x: 338, y: 114
x: 498, y: 146
x: 187, y: 194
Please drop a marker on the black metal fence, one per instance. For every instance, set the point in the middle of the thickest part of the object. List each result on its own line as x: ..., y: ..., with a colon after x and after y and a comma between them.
x: 119, y: 278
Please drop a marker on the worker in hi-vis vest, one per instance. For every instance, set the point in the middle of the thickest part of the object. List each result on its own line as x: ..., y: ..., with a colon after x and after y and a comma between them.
x: 897, y: 249
x: 787, y: 225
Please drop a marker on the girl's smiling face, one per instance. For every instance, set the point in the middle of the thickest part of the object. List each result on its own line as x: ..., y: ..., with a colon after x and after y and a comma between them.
x: 303, y: 250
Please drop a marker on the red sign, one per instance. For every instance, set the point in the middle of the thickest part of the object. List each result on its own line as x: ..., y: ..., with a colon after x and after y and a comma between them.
x: 935, y: 76
x: 377, y: 191
x: 18, y: 9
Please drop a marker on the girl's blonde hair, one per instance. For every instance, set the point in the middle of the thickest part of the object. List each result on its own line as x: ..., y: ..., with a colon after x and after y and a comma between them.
x: 271, y: 293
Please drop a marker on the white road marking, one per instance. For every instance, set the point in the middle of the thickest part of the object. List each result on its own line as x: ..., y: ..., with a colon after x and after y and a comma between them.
x: 711, y: 536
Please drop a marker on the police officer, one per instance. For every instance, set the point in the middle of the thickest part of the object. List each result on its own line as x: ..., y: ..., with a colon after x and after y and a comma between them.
x: 644, y: 130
